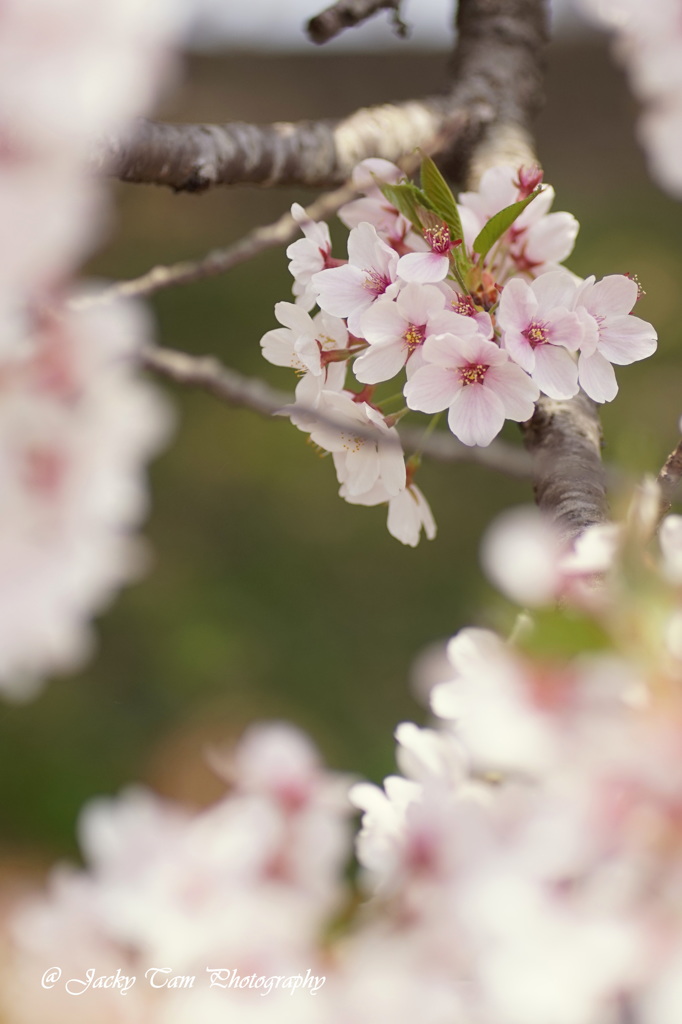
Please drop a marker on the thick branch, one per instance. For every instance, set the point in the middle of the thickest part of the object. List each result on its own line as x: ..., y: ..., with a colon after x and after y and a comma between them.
x: 497, y: 87
x: 569, y: 480
x: 320, y: 154
x: 347, y: 14
x: 208, y: 374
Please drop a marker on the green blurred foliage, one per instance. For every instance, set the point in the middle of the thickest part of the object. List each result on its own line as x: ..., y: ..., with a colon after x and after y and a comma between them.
x: 266, y: 595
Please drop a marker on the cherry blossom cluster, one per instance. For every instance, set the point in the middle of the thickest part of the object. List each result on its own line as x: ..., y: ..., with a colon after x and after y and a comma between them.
x: 248, y: 885
x: 76, y: 427
x: 522, y: 867
x: 463, y: 305
x: 648, y: 42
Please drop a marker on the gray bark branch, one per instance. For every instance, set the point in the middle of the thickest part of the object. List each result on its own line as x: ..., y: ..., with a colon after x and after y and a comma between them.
x: 349, y: 13
x: 669, y: 478
x: 564, y: 439
x: 209, y: 374
x: 496, y: 91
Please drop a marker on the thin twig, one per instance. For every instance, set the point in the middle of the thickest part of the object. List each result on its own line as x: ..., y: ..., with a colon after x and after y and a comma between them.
x: 348, y: 13
x: 209, y: 374
x: 669, y: 478
x: 219, y: 261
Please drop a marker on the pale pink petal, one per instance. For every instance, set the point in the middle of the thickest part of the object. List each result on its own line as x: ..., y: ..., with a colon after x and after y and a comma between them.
x: 408, y: 513
x: 625, y: 339
x: 363, y: 466
x: 565, y: 328
x: 383, y: 322
x: 455, y: 349
x: 519, y: 349
x: 518, y: 306
x: 431, y: 389
x: 292, y: 316
x: 517, y: 392
x: 392, y: 467
x: 476, y: 415
x: 556, y: 288
x: 423, y: 267
x: 367, y: 251
x: 552, y: 239
x: 597, y: 377
x: 613, y: 295
x: 338, y: 289
x: 277, y: 347
x: 556, y: 373
x: 418, y: 303
x: 380, y: 362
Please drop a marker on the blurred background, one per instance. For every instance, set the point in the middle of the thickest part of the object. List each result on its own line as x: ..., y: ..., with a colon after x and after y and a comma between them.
x: 267, y: 596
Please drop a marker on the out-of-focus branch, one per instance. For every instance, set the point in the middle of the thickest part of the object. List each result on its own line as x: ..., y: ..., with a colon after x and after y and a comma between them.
x: 496, y: 88
x: 209, y: 374
x: 569, y: 478
x: 669, y: 478
x: 348, y: 13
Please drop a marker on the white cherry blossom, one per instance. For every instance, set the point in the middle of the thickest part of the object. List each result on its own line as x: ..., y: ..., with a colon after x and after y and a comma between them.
x: 302, y: 340
x: 408, y: 511
x: 611, y: 333
x: 373, y: 208
x: 360, y: 462
x: 349, y: 290
x: 308, y: 255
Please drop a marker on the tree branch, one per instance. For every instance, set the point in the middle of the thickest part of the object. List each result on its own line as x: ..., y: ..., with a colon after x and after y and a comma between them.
x: 209, y: 374
x: 496, y: 88
x: 348, y: 13
x: 279, y: 232
x: 569, y: 478
x: 669, y: 478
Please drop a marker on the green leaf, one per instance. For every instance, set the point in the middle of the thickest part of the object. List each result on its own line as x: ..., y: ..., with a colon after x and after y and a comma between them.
x: 563, y: 634
x: 500, y: 223
x: 407, y: 199
x: 437, y: 190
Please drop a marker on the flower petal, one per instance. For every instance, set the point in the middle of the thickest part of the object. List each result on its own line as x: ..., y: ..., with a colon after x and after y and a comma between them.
x: 597, y: 377
x: 431, y: 389
x: 380, y: 362
x: 476, y: 415
x: 556, y: 373
x: 423, y: 267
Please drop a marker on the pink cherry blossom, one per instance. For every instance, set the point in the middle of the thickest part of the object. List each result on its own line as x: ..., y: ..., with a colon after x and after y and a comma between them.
x: 302, y: 340
x: 611, y: 334
x: 538, y: 331
x: 308, y: 255
x: 76, y: 430
x: 374, y: 208
x: 464, y: 305
x: 537, y: 241
x: 370, y: 272
x: 433, y: 266
x: 475, y: 380
x: 397, y: 329
x: 408, y: 511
